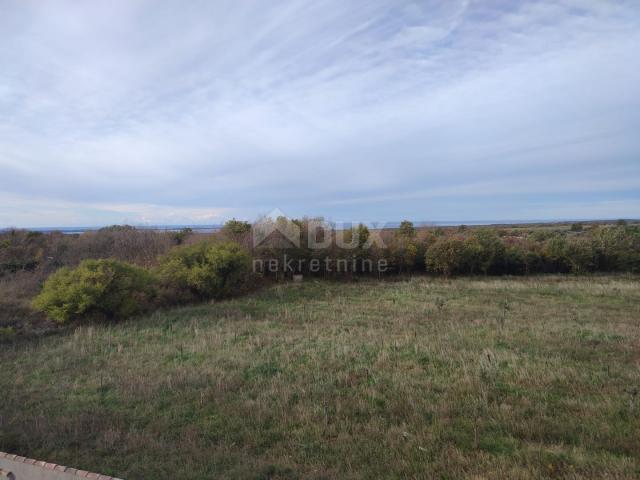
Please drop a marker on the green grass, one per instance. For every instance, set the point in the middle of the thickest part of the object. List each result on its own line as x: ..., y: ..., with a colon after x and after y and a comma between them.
x: 429, y: 378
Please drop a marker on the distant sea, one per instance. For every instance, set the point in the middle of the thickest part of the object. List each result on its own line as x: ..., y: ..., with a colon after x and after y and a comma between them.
x: 164, y: 228
x: 214, y: 228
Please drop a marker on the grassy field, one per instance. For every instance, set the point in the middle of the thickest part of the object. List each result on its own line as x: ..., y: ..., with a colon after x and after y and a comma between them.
x: 487, y: 378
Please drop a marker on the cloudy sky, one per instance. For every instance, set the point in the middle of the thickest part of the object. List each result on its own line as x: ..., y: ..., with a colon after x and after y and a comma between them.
x: 177, y: 112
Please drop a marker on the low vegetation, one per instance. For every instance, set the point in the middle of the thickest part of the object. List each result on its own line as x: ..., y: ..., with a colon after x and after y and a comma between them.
x: 496, y: 377
x: 27, y: 259
x: 205, y: 271
x: 108, y: 288
x: 505, y: 373
x: 183, y: 267
x: 467, y: 251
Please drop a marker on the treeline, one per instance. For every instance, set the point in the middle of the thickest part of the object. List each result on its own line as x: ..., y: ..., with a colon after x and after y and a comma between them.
x: 452, y: 251
x: 487, y: 251
x: 120, y: 271
x: 23, y: 250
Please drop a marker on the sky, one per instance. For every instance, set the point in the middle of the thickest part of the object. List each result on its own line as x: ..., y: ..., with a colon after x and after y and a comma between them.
x: 171, y: 112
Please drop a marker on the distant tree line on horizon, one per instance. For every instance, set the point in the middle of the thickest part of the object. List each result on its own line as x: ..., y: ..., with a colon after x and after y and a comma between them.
x: 120, y: 271
x: 461, y: 250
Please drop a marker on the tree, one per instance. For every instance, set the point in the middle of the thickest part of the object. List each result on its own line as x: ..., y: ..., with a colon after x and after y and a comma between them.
x: 406, y: 229
x: 555, y: 254
x: 236, y: 230
x: 580, y: 255
x: 448, y: 255
x: 486, y: 251
x: 236, y: 227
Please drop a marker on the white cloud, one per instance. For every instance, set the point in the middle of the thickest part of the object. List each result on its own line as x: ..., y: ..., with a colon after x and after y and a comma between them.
x: 46, y: 212
x: 245, y: 106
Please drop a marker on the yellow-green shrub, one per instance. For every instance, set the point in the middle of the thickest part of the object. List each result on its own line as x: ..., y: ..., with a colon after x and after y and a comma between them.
x: 108, y: 288
x: 205, y: 270
x: 485, y: 252
x: 448, y: 255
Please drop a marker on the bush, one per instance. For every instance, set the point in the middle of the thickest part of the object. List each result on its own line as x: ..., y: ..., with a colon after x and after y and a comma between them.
x: 555, y: 255
x: 403, y: 253
x: 236, y: 228
x: 448, y: 255
x: 237, y: 231
x: 108, y: 288
x: 617, y: 248
x: 205, y: 270
x: 522, y: 257
x: 403, y: 248
x: 486, y: 252
x: 581, y: 255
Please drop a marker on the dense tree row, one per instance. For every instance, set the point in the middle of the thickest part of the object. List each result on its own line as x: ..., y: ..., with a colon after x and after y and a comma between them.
x: 119, y: 271
x: 459, y: 251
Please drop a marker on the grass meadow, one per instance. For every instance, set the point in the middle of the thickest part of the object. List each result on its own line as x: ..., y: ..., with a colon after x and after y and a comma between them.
x: 534, y: 377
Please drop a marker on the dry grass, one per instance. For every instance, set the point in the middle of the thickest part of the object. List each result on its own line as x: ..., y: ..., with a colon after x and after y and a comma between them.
x: 429, y: 378
x: 16, y: 293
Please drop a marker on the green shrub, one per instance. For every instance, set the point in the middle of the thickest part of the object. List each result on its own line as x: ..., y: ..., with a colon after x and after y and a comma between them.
x: 448, y: 255
x: 581, y: 255
x: 205, y: 270
x: 403, y: 252
x: 108, y: 288
x: 485, y: 252
x: 555, y: 255
x: 403, y: 248
x: 236, y: 228
x: 617, y: 248
x: 541, y: 235
x: 522, y: 258
x: 237, y: 231
x: 515, y: 260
